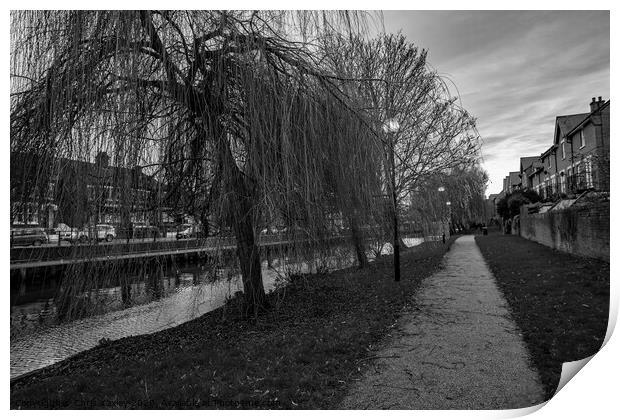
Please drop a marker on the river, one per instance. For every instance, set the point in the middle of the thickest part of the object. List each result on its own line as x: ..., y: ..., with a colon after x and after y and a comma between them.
x: 188, y: 291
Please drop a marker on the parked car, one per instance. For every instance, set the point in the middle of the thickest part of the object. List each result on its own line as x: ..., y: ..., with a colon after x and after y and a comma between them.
x: 187, y: 231
x: 69, y: 234
x: 101, y: 232
x: 28, y: 236
x: 274, y: 230
x: 53, y: 236
x: 144, y: 231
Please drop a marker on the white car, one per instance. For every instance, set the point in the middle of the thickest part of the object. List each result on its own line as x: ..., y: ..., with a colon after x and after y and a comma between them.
x: 106, y: 232
x: 69, y: 234
x: 101, y: 232
x: 186, y: 231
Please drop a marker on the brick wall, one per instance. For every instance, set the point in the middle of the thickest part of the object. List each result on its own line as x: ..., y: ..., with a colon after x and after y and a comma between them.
x: 578, y: 230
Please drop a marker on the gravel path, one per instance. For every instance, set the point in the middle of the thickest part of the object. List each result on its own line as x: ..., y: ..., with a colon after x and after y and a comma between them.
x: 458, y: 348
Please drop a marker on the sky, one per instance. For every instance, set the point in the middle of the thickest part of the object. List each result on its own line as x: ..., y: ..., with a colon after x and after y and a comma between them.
x: 515, y: 71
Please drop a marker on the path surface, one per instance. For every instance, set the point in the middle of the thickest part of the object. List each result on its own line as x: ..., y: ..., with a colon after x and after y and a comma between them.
x: 458, y: 348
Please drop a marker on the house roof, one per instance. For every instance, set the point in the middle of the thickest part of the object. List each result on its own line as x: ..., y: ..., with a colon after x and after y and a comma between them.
x: 548, y: 151
x: 527, y: 161
x: 587, y: 118
x: 565, y: 124
x: 51, y: 168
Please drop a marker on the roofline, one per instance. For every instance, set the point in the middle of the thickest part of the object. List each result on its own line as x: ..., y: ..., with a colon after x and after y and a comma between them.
x: 555, y: 130
x: 533, y: 159
x: 581, y: 124
x: 548, y: 151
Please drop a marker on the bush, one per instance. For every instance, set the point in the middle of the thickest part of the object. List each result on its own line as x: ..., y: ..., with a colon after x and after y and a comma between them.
x: 509, y: 206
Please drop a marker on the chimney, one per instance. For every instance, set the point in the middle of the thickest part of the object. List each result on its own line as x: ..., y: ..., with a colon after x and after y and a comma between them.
x: 102, y: 159
x: 595, y: 105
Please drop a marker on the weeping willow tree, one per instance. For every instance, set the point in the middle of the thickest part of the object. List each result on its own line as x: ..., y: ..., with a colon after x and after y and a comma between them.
x: 225, y: 115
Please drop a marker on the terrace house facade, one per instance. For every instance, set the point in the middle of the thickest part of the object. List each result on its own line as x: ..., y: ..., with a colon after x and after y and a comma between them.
x: 512, y: 182
x: 579, y: 157
x: 528, y: 168
x: 46, y: 192
x: 577, y: 160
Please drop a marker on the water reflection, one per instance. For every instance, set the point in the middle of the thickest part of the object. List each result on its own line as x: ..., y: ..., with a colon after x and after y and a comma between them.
x: 161, y: 299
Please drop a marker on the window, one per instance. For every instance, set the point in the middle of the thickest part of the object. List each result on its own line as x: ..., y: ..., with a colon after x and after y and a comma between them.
x: 27, y: 214
x: 582, y: 139
x: 563, y: 150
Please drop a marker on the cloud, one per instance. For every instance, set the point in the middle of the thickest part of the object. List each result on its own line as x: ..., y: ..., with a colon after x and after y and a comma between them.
x: 515, y: 71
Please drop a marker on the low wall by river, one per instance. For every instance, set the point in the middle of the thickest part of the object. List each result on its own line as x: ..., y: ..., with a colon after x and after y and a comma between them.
x: 581, y: 230
x: 119, y: 250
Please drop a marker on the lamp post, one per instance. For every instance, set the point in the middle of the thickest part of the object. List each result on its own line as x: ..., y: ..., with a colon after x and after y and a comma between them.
x: 390, y: 127
x: 449, y: 204
x: 443, y: 189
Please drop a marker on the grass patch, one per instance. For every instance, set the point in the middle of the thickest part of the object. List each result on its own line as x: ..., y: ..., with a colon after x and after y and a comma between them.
x: 559, y: 301
x: 302, y: 354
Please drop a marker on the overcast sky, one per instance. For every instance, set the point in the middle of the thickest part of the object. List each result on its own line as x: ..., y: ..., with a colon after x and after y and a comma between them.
x: 515, y: 71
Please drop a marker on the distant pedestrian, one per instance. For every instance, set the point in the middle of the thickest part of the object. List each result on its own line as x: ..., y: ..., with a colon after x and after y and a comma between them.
x: 443, y: 238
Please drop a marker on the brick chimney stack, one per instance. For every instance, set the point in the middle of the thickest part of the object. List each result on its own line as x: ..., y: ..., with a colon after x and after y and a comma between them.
x: 596, y: 104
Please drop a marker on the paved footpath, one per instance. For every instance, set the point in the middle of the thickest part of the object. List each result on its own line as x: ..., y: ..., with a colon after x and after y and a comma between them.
x: 458, y: 348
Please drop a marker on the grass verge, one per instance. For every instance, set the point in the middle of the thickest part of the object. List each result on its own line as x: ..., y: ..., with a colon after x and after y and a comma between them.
x: 559, y: 301
x: 302, y: 354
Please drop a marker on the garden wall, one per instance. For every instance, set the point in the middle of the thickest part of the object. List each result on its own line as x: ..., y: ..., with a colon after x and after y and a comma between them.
x: 580, y: 230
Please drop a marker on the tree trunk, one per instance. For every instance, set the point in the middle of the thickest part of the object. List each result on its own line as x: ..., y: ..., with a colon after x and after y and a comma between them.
x: 358, y: 242
x: 243, y: 211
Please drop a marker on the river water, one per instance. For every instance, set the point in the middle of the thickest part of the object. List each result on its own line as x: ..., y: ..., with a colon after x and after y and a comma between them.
x: 38, y: 339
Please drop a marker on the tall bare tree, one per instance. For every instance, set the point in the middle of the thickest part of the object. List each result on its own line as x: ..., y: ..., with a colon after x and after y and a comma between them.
x: 429, y: 133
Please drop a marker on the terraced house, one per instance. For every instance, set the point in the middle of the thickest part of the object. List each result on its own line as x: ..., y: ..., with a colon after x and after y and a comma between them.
x: 47, y: 191
x: 512, y: 182
x: 528, y: 170
x: 577, y: 160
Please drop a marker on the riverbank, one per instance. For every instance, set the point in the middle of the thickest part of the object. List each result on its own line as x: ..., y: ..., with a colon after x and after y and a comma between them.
x: 305, y: 353
x: 559, y: 301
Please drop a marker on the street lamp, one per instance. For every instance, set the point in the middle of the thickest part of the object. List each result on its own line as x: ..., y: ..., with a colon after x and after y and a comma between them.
x: 449, y: 204
x: 391, y: 126
x: 443, y: 227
